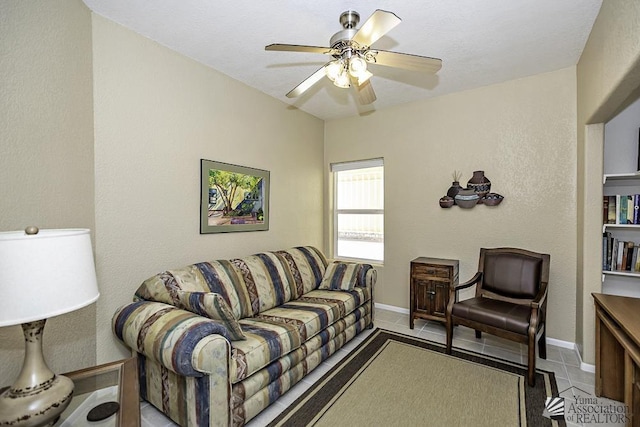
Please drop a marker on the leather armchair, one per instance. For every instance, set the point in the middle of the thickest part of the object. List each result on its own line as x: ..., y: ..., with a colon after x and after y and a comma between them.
x: 510, y: 300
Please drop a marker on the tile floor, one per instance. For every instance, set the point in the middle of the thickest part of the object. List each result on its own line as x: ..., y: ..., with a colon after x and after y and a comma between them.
x: 563, y: 362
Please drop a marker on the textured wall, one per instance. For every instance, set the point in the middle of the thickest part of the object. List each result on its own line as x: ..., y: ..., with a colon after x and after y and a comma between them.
x: 157, y: 114
x: 608, y: 75
x: 522, y: 134
x: 46, y: 152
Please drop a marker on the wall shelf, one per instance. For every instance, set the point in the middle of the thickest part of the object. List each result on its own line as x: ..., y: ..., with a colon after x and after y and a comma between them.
x: 620, y: 176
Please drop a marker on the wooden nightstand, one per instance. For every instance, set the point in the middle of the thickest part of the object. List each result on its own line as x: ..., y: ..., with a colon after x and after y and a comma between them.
x: 431, y: 279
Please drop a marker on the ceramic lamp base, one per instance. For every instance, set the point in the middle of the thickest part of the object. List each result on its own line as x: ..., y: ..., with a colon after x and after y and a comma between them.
x: 37, y: 407
x: 38, y: 396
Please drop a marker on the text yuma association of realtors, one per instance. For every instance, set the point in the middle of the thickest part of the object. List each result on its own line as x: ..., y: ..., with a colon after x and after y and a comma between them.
x: 592, y: 410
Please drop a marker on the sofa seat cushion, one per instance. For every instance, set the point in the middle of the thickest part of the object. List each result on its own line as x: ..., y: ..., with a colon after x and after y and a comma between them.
x: 281, y: 330
x: 496, y: 313
x: 248, y: 387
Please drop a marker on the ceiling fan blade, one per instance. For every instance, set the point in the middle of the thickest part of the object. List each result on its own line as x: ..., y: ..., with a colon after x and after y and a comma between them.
x: 404, y: 60
x: 365, y: 92
x: 300, y: 48
x: 378, y: 24
x: 308, y: 82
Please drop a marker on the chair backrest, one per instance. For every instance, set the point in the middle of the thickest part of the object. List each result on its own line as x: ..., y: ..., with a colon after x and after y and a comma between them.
x: 513, y: 273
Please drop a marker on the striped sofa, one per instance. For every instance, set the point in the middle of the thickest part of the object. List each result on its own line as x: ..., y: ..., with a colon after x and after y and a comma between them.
x: 217, y: 342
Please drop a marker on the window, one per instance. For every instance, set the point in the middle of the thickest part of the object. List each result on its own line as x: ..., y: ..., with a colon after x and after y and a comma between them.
x: 359, y: 210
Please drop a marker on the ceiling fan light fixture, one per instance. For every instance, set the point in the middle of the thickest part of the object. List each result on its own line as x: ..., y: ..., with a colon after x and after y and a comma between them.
x: 343, y: 81
x: 350, y: 49
x: 333, y: 70
x: 357, y: 67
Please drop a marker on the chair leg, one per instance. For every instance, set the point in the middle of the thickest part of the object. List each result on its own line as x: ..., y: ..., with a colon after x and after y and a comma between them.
x: 531, y: 362
x: 542, y: 344
x: 478, y: 334
x: 449, y: 327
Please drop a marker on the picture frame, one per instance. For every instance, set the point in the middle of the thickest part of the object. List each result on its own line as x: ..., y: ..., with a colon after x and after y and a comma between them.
x: 233, y: 198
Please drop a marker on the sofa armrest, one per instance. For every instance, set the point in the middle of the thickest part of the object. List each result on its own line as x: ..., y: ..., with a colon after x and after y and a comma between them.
x: 368, y: 279
x: 174, y: 338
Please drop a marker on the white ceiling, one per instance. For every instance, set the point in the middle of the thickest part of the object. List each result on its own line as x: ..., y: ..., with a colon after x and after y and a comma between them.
x: 480, y: 42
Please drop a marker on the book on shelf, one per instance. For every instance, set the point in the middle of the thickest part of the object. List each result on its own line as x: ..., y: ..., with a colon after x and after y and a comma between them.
x: 611, y: 206
x: 621, y: 203
x: 607, y: 241
x: 619, y: 255
x: 621, y: 209
x: 629, y: 249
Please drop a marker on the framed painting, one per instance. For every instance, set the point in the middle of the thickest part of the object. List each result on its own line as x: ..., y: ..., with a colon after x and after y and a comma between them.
x: 233, y: 198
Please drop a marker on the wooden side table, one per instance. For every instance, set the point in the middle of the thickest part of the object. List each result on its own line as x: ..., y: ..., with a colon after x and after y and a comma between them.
x: 115, y: 381
x: 431, y: 279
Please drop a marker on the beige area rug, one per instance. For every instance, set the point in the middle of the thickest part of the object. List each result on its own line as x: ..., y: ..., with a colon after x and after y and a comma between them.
x: 396, y: 380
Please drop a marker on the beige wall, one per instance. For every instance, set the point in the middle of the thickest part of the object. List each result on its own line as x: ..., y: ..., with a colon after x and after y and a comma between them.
x: 46, y: 152
x: 522, y: 134
x: 157, y: 114
x: 608, y: 76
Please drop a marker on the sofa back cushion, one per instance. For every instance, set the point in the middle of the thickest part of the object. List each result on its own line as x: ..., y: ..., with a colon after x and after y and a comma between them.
x: 344, y: 276
x: 249, y: 285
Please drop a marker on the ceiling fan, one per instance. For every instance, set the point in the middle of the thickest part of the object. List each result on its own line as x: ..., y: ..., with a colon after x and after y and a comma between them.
x: 351, y: 51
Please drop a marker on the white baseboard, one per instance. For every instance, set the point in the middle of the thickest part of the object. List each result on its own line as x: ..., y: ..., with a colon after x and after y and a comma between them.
x: 392, y: 308
x: 563, y: 344
x: 586, y: 366
x: 551, y: 341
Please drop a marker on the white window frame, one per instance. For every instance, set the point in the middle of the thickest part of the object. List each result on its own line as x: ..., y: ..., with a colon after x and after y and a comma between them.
x: 346, y: 166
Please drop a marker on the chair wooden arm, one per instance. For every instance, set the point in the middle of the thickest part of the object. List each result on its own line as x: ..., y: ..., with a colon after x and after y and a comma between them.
x: 475, y: 279
x: 452, y: 291
x: 540, y: 299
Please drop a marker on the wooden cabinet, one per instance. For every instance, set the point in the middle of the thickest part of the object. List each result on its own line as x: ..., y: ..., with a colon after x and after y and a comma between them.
x: 431, y: 279
x: 618, y: 353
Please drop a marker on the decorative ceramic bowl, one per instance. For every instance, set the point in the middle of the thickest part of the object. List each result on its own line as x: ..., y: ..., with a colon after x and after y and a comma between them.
x: 446, y: 202
x: 467, y: 198
x: 466, y: 194
x: 493, y: 199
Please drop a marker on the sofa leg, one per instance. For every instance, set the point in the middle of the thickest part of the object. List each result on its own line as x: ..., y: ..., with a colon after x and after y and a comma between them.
x: 478, y: 334
x: 370, y: 326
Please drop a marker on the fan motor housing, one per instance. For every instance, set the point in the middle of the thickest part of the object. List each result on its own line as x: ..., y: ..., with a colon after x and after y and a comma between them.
x: 342, y: 36
x: 348, y: 20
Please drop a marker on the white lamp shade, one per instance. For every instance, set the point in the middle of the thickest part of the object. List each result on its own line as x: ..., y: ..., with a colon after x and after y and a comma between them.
x: 45, y: 274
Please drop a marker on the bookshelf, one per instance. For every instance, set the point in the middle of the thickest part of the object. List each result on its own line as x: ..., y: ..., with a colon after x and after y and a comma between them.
x: 621, y: 177
x: 611, y: 177
x: 621, y: 280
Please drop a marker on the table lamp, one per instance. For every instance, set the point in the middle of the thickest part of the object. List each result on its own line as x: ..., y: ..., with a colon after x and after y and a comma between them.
x: 42, y: 274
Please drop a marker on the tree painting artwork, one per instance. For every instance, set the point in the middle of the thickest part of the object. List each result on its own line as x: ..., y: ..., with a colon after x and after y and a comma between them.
x: 233, y: 198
